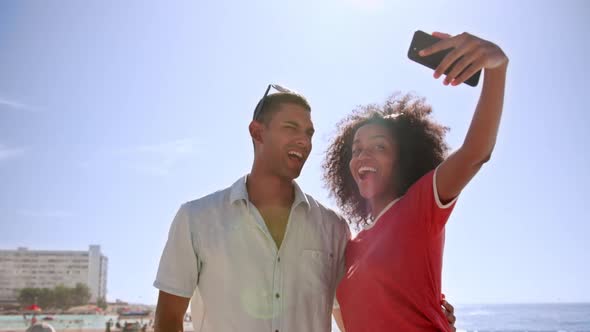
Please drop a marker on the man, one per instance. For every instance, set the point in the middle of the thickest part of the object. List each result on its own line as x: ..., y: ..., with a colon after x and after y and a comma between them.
x: 260, y: 255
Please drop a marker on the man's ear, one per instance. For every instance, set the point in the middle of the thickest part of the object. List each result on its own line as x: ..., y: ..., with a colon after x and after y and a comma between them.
x: 256, y: 129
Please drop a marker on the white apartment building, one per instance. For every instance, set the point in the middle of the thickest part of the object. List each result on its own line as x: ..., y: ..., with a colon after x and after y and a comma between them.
x: 23, y: 268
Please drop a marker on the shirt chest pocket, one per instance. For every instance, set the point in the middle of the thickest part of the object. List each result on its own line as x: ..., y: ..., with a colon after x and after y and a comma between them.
x: 318, y: 267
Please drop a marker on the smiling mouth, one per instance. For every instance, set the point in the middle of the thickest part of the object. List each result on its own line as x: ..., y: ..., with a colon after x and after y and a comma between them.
x: 295, y: 155
x: 365, y: 171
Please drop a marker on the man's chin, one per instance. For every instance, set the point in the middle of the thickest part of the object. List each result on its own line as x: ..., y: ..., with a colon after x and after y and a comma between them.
x: 292, y: 174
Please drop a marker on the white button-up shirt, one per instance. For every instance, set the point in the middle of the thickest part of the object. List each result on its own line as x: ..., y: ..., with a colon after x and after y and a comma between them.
x: 220, y: 253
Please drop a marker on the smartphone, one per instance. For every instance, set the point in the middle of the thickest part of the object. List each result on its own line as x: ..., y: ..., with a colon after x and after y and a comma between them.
x: 423, y: 40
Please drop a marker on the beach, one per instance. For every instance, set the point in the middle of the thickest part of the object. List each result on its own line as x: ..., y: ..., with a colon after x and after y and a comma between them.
x: 187, y: 327
x: 564, y: 317
x: 77, y: 323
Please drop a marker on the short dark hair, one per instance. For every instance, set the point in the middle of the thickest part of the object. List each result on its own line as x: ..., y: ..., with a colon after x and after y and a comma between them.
x: 272, y: 103
x: 420, y: 142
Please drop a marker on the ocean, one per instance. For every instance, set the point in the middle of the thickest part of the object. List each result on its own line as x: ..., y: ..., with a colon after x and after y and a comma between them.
x: 521, y: 318
x: 524, y: 317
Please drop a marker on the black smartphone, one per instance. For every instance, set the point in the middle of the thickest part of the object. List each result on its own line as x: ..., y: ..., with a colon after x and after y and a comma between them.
x: 423, y: 40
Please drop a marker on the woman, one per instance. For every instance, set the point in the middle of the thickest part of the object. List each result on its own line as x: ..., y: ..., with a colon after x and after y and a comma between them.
x: 389, y: 172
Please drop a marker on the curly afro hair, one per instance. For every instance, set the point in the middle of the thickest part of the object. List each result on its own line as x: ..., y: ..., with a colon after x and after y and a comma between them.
x: 420, y: 142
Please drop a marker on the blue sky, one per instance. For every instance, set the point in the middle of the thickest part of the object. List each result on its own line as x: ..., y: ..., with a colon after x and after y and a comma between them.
x: 112, y: 114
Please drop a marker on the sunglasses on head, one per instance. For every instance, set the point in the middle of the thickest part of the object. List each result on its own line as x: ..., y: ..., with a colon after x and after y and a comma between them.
x: 260, y: 105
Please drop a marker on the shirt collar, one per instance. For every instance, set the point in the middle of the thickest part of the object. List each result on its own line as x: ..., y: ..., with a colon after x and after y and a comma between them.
x: 239, y: 192
x: 387, y: 207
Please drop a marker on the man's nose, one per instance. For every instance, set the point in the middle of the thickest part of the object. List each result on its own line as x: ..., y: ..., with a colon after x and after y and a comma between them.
x: 303, y: 141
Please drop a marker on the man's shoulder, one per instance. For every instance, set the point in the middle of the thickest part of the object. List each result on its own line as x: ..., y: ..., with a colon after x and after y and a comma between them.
x: 208, y: 203
x: 328, y: 214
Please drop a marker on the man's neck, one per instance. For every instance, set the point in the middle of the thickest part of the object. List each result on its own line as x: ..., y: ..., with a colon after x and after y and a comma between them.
x: 265, y: 189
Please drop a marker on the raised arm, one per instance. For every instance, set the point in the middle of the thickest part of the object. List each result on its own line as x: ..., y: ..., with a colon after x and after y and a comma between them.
x: 462, y: 165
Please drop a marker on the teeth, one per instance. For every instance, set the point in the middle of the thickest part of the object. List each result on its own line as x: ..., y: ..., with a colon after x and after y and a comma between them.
x: 296, y: 154
x: 366, y: 169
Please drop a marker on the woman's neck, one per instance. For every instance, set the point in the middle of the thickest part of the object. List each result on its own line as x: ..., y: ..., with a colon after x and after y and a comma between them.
x: 377, y: 204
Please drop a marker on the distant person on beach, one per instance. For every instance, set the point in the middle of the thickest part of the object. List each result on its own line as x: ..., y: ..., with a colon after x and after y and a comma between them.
x: 260, y: 255
x: 389, y: 171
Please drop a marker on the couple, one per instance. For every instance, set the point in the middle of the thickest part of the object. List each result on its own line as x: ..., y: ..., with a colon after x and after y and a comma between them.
x: 262, y: 255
